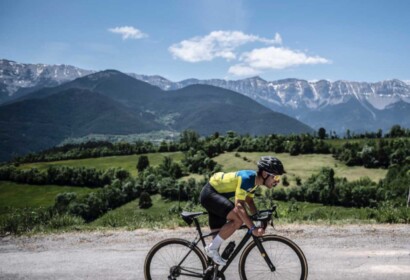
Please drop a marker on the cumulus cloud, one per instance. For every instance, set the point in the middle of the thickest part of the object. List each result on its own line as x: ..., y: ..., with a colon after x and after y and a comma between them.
x: 278, y: 58
x: 217, y: 44
x: 243, y: 70
x: 128, y: 32
x: 225, y: 45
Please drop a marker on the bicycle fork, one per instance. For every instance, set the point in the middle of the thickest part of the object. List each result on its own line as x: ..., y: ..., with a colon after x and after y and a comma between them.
x: 263, y: 253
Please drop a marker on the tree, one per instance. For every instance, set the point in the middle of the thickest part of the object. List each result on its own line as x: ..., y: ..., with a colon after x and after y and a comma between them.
x: 122, y: 174
x: 145, y: 201
x: 176, y: 171
x: 397, y: 131
x: 285, y: 181
x: 143, y: 163
x: 322, y: 133
x: 62, y: 201
x: 189, y: 139
x: 298, y: 181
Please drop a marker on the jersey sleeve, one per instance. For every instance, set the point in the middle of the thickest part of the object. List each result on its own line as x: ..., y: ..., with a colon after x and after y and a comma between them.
x: 251, y: 195
x: 244, y: 183
x: 240, y: 193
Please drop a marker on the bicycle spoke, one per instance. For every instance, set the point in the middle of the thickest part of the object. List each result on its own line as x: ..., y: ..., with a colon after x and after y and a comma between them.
x: 283, y: 256
x: 172, y: 259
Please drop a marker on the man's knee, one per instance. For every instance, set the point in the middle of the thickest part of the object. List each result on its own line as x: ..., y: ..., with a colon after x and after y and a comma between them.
x: 235, y: 219
x: 238, y: 223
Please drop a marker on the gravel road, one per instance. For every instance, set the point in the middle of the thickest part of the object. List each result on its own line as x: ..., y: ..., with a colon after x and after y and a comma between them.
x: 333, y: 252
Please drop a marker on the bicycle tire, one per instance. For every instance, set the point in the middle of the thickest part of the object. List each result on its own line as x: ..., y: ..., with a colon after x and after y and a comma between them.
x: 166, y: 255
x: 286, y: 256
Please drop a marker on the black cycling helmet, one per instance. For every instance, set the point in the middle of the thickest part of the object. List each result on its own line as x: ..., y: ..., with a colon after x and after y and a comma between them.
x: 271, y: 165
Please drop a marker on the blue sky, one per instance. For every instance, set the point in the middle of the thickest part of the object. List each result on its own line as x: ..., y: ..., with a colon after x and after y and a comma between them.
x: 335, y: 40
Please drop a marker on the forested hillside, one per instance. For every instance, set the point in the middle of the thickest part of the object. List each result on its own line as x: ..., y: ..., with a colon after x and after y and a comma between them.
x: 180, y: 174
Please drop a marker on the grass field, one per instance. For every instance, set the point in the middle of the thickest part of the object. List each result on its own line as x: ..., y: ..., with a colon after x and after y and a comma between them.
x: 131, y: 216
x: 158, y: 216
x: 128, y: 163
x: 14, y: 195
x: 303, y: 166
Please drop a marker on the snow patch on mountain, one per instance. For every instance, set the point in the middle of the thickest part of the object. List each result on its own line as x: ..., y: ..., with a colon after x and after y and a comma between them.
x: 18, y: 75
x: 294, y: 97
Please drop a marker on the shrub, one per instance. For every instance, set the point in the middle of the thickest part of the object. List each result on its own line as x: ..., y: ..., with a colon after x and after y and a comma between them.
x: 62, y: 201
x: 285, y: 181
x: 143, y: 163
x: 145, y: 201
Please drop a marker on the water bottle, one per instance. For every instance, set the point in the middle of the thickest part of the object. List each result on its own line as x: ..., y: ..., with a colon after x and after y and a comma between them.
x: 228, y: 250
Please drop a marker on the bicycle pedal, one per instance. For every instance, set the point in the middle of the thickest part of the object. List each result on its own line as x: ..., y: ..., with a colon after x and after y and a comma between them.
x: 208, y: 273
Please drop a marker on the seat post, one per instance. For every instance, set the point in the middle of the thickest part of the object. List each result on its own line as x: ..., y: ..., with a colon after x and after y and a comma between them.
x: 198, y: 228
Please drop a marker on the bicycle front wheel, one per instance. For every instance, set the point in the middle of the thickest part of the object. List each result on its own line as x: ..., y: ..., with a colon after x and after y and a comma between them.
x: 174, y: 259
x: 288, y: 259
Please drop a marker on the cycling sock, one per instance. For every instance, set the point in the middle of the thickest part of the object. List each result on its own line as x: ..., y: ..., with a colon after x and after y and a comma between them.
x: 216, y: 243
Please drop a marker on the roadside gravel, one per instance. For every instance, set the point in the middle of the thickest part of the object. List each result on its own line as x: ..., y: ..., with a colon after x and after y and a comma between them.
x: 333, y: 252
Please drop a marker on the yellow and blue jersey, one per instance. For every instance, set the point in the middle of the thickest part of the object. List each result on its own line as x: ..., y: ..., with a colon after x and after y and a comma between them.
x: 239, y: 184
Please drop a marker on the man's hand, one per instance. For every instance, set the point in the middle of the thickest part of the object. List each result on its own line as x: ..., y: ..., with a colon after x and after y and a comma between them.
x: 258, y: 231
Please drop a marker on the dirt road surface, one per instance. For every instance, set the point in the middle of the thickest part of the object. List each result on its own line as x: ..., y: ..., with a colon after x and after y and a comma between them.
x: 333, y: 252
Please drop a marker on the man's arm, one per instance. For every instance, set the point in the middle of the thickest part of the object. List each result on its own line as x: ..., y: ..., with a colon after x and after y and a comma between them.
x: 241, y: 211
x: 251, y: 204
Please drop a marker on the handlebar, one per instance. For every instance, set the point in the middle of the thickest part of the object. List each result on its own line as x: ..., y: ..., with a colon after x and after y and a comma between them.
x: 264, y: 216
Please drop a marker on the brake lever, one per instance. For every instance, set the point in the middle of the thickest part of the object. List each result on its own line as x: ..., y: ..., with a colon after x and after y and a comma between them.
x: 275, y: 214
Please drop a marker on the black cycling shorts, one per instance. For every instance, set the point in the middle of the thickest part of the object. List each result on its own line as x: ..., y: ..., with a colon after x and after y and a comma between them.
x: 217, y: 205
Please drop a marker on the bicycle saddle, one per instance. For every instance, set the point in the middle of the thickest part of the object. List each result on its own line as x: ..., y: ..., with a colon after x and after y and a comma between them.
x: 192, y: 214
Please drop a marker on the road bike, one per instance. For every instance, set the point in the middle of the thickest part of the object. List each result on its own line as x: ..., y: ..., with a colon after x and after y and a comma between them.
x: 263, y: 258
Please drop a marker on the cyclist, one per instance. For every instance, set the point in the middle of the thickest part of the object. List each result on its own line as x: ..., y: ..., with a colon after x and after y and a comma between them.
x: 225, y: 216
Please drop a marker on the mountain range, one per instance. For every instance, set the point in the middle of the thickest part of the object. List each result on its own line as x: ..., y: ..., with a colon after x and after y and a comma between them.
x: 113, y: 103
x: 337, y: 106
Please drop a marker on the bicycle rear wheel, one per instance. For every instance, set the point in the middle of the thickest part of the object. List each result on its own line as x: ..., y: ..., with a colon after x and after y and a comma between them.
x: 174, y: 259
x: 285, y: 255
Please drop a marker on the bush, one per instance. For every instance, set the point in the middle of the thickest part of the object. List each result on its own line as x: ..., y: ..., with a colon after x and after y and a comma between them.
x: 24, y: 220
x: 65, y: 220
x: 145, y: 201
x: 279, y: 194
x: 29, y: 220
x: 62, y: 201
x: 285, y: 181
x: 143, y: 163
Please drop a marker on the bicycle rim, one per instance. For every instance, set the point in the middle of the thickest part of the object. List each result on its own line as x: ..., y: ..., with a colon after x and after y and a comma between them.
x: 164, y: 261
x: 286, y: 256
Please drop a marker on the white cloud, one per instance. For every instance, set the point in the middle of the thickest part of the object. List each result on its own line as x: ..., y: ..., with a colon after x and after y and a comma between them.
x: 278, y: 58
x: 225, y: 44
x: 273, y: 58
x: 128, y: 32
x: 242, y: 70
x: 216, y: 44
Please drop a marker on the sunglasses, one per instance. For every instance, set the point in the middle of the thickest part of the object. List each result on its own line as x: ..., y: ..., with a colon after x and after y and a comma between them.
x: 275, y: 177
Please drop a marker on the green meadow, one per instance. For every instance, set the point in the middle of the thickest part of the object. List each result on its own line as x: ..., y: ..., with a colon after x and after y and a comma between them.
x: 302, y: 166
x: 128, y: 163
x: 160, y: 215
x: 164, y: 214
x: 14, y: 195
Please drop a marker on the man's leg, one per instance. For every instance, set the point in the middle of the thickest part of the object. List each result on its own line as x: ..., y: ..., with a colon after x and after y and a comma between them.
x: 234, y: 222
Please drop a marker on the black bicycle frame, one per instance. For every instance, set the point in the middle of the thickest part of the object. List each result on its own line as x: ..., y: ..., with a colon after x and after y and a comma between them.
x: 243, y: 242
